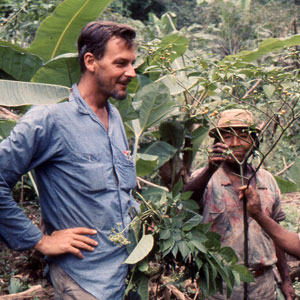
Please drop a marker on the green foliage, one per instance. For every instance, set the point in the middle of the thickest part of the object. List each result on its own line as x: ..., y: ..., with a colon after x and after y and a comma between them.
x: 227, y: 27
x: 15, y: 286
x: 61, y: 70
x: 266, y: 47
x: 138, y: 9
x: 141, y: 250
x: 176, y: 96
x: 5, y: 127
x: 286, y: 186
x: 56, y: 34
x: 23, y: 93
x: 20, y: 19
x: 180, y: 241
x: 17, y: 62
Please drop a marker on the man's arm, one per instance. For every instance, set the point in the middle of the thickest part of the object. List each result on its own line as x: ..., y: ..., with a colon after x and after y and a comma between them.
x: 282, y: 267
x: 30, y: 144
x: 198, y: 183
x: 286, y: 240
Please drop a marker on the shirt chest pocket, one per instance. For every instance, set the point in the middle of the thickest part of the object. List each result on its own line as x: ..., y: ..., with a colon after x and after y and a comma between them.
x: 91, y: 176
x: 215, y: 212
x: 126, y: 173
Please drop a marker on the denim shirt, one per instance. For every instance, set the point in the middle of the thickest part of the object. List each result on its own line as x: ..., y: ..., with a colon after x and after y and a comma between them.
x: 84, y: 176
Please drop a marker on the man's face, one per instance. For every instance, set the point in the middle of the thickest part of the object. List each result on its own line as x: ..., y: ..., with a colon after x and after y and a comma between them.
x: 239, y: 142
x: 115, y: 69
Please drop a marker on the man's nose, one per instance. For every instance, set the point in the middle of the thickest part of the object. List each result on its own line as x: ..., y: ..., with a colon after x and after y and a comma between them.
x: 130, y: 72
x: 235, y: 141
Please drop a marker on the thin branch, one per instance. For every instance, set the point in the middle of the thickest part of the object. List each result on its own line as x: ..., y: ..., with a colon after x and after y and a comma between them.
x: 285, y: 169
x: 175, y: 291
x: 252, y: 89
x: 7, y: 114
x: 271, y: 149
x: 152, y: 184
x: 14, y: 15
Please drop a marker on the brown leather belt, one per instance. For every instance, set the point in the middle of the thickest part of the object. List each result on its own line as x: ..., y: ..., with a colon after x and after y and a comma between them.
x: 260, y: 271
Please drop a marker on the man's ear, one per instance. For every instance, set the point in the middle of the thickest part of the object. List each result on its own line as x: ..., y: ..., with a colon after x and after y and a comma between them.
x: 89, y: 60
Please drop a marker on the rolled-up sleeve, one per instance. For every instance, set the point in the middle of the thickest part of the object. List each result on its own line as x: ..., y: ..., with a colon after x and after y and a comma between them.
x: 30, y: 144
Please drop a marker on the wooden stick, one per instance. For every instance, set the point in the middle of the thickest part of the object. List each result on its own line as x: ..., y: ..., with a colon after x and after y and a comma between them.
x: 284, y: 169
x: 175, y: 291
x: 152, y: 184
x: 252, y: 89
x: 24, y: 295
x: 4, y: 112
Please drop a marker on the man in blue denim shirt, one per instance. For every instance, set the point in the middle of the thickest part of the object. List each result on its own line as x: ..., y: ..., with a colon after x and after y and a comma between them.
x: 83, y: 171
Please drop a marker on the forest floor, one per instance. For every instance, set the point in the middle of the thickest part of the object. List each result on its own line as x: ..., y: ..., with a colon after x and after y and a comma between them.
x: 22, y: 274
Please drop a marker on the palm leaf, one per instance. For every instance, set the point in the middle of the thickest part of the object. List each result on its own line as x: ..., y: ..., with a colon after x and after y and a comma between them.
x: 17, y: 62
x: 58, y: 33
x: 19, y: 93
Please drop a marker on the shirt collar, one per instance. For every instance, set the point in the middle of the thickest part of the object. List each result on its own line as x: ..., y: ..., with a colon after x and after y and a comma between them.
x: 83, y: 107
x: 225, y: 180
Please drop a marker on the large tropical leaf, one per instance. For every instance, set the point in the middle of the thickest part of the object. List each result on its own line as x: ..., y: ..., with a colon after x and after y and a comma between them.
x: 172, y: 132
x: 5, y: 128
x: 61, y: 70
x: 58, y: 33
x: 179, y: 81
x: 286, y: 186
x: 141, y: 250
x: 163, y: 150
x: 143, y: 287
x: 266, y: 47
x: 125, y: 109
x: 294, y: 171
x: 145, y: 164
x: 17, y: 93
x: 17, y: 62
x: 155, y: 105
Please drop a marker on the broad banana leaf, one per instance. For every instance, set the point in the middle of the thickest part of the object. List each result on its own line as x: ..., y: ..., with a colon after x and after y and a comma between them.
x: 61, y: 70
x: 19, y: 93
x: 267, y: 46
x: 5, y: 128
x: 17, y: 62
x: 59, y: 32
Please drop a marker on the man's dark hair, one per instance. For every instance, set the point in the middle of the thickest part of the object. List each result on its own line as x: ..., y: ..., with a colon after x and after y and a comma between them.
x: 95, y: 35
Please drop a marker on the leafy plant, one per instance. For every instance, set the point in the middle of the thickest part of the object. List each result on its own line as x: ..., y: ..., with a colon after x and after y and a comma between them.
x: 15, y: 286
x: 171, y: 103
x: 171, y: 239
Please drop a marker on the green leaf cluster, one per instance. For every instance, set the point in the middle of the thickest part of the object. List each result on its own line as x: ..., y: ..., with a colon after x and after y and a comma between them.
x: 173, y: 238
